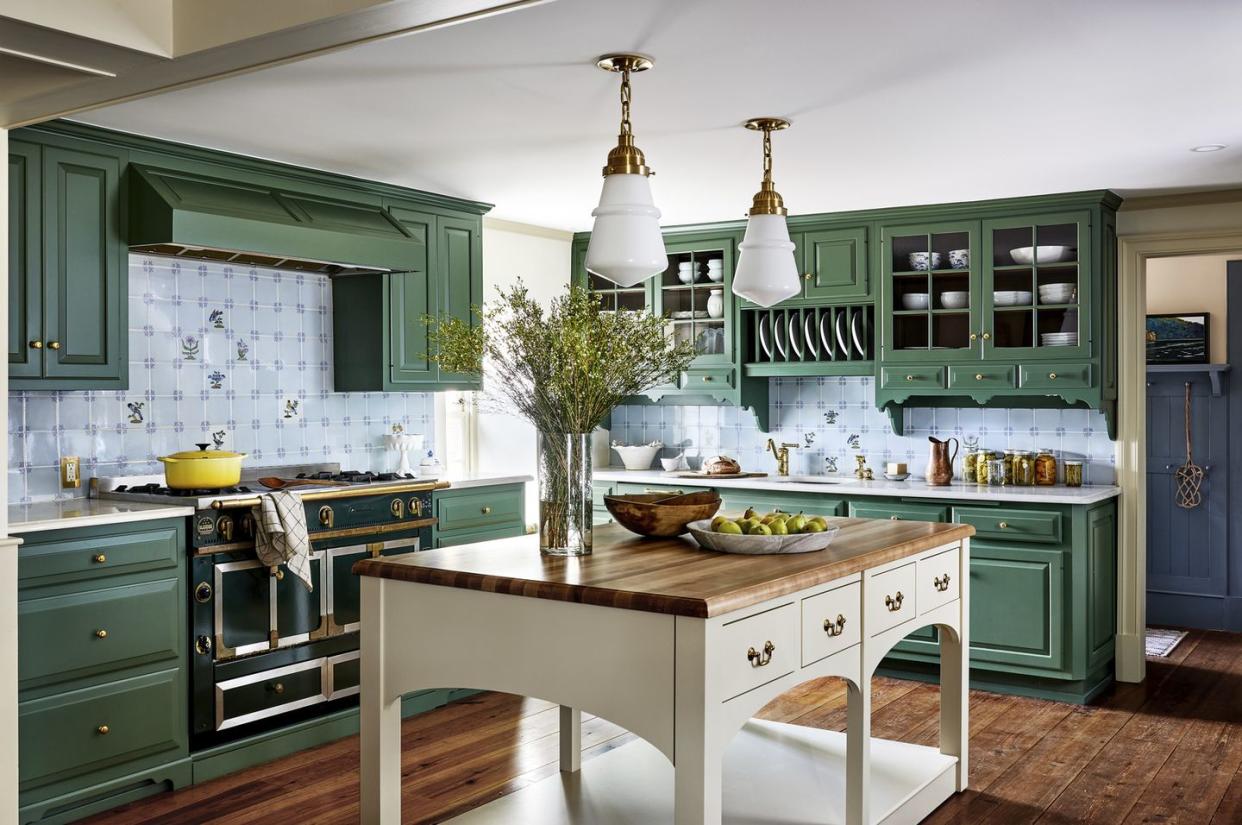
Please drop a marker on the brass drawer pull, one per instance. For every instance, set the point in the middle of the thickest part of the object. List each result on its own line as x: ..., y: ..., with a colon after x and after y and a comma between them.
x: 894, y: 604
x: 278, y: 688
x: 1004, y: 525
x: 978, y: 376
x: 941, y: 583
x: 36, y: 345
x: 53, y: 344
x: 102, y: 730
x: 670, y: 492
x: 99, y: 558
x: 909, y: 377
x: 758, y: 659
x: 706, y: 378
x: 101, y: 633
x: 1052, y: 376
x: 487, y: 510
x: 835, y: 628
x: 894, y: 518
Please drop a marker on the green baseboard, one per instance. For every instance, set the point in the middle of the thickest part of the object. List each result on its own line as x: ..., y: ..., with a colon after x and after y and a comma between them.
x: 1077, y: 691
x: 104, y: 796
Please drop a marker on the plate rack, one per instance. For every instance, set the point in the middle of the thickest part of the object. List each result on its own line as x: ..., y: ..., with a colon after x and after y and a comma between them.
x: 835, y: 340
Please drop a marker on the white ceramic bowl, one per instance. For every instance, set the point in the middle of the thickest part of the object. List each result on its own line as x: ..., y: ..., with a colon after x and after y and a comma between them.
x: 955, y: 300
x: 1057, y: 293
x: 638, y: 457
x: 670, y: 464
x: 715, y: 273
x: 914, y: 300
x: 760, y: 545
x: 1011, y: 298
x: 919, y: 260
x: 1044, y: 254
x: 686, y: 276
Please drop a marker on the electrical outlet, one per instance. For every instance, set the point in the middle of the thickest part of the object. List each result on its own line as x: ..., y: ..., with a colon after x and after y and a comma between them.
x: 70, y: 472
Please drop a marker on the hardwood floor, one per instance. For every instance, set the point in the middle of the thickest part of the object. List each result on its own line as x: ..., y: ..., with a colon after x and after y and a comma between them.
x: 1167, y: 751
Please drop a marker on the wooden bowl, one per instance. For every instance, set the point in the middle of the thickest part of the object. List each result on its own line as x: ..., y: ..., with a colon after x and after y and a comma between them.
x: 660, y: 514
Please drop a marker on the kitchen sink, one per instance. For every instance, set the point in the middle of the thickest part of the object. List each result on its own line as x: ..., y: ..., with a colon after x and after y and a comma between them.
x: 810, y: 479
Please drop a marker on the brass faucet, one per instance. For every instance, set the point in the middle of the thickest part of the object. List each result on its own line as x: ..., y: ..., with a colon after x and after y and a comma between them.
x: 782, y: 456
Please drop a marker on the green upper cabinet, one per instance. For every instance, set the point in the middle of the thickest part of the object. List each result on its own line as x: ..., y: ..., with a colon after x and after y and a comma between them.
x: 833, y: 262
x: 443, y: 275
x: 68, y: 273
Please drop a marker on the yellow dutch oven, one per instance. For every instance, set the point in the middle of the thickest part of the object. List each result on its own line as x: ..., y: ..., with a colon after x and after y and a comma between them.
x: 202, y: 468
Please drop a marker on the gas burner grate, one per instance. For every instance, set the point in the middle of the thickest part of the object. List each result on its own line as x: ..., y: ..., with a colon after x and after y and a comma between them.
x: 357, y: 477
x: 161, y: 490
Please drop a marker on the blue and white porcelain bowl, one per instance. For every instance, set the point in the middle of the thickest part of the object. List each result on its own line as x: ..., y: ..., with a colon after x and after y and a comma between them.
x: 919, y: 260
x: 959, y: 258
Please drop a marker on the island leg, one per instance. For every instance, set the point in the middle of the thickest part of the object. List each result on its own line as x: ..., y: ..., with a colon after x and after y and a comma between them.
x: 571, y: 739
x: 379, y: 719
x: 955, y: 681
x: 858, y: 750
x: 698, y: 760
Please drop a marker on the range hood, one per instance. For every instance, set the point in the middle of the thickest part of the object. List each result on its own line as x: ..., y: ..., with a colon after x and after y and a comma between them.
x: 190, y: 215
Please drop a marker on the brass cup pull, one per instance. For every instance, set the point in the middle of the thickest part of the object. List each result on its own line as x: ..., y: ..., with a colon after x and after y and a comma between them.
x: 99, y: 558
x: 36, y: 345
x: 941, y: 583
x: 978, y: 376
x: 101, y: 633
x: 1004, y: 525
x: 53, y: 344
x: 763, y: 659
x: 835, y: 628
x: 894, y: 603
x: 1052, y: 376
x: 102, y: 730
x: 487, y: 511
x: 278, y: 688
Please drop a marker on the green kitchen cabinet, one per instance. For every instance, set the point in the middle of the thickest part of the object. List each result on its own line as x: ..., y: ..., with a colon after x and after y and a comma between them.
x: 470, y: 514
x: 443, y: 276
x: 68, y: 305
x: 102, y: 670
x: 834, y: 263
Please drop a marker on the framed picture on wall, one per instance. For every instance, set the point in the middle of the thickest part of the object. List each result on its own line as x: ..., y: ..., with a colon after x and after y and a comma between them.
x: 1178, y: 338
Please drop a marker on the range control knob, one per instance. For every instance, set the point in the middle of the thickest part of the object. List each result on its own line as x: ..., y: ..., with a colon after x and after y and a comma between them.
x: 416, y: 507
x: 246, y: 527
x: 224, y: 526
x: 397, y: 508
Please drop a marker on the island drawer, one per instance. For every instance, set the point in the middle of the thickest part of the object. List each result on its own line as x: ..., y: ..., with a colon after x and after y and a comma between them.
x: 1011, y: 525
x: 72, y: 733
x: 939, y: 579
x: 918, y: 378
x: 104, y: 552
x: 890, y: 598
x: 830, y: 622
x: 92, y: 631
x: 899, y: 512
x: 757, y: 649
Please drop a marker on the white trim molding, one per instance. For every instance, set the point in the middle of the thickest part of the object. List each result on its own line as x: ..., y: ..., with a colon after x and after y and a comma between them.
x: 1133, y: 253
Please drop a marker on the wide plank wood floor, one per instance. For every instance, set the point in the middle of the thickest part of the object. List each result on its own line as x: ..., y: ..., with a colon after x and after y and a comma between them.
x: 1167, y: 751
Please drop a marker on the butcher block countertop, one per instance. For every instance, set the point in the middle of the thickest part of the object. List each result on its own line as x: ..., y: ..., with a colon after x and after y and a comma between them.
x: 671, y: 576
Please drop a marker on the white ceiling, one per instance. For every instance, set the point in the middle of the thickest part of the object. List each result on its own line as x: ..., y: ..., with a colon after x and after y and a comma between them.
x: 893, y: 103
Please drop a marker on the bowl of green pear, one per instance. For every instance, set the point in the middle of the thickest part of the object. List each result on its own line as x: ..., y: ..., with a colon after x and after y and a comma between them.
x: 755, y: 534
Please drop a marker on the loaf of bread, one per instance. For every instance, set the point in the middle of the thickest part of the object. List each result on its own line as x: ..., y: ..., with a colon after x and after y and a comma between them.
x: 721, y: 465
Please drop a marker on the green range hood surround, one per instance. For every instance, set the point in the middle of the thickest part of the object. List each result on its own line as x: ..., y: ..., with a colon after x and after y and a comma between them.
x: 191, y: 215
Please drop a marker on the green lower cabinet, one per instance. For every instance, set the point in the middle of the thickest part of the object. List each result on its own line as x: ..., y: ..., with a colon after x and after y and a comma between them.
x: 103, y: 695
x: 478, y: 514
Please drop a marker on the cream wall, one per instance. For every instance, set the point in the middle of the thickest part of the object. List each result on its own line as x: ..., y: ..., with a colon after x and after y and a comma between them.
x: 1192, y: 283
x: 540, y: 257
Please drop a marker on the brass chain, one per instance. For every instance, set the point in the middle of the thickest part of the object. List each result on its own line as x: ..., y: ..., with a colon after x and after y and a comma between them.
x: 767, y: 155
x: 625, y: 101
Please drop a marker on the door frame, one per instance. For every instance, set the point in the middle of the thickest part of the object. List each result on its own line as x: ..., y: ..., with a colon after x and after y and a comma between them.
x: 1133, y: 252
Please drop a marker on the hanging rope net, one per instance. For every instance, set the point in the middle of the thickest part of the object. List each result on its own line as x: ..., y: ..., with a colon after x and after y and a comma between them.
x: 1189, y: 476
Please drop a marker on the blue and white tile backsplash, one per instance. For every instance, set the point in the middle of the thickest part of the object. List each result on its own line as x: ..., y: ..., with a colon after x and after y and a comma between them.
x: 235, y: 356
x: 840, y: 418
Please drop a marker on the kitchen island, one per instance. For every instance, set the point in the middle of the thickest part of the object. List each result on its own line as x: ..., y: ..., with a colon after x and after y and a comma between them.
x: 682, y: 647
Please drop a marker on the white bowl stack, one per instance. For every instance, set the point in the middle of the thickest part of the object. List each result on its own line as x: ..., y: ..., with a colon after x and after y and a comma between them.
x: 1058, y: 293
x: 1011, y: 298
x: 715, y: 269
x: 1059, y: 339
x: 687, y: 272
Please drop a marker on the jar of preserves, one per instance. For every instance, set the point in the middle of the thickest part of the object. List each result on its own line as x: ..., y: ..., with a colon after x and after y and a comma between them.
x: 996, y: 472
x: 1073, y: 473
x: 970, y: 466
x: 1023, y: 468
x: 1045, y: 468
x: 981, y: 466
x: 1010, y: 459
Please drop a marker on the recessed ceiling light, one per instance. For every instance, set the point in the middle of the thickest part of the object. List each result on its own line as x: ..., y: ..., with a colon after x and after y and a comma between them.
x: 1209, y: 147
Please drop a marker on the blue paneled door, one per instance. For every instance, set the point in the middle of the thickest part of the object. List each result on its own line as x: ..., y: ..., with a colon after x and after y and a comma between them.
x: 1187, y: 550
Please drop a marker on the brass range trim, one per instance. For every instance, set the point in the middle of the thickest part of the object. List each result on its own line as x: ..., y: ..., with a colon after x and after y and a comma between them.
x: 346, y: 492
x: 344, y: 532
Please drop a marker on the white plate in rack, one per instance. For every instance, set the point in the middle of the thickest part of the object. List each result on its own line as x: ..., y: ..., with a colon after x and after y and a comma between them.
x: 764, y: 343
x: 825, y: 336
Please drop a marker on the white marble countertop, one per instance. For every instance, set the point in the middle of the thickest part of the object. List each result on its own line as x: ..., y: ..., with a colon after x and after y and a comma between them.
x: 86, y: 512
x: 459, y: 482
x: 848, y: 485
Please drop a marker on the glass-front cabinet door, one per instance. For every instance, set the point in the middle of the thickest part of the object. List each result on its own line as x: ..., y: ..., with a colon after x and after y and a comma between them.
x: 694, y: 297
x: 1036, y: 293
x: 613, y: 298
x: 930, y: 288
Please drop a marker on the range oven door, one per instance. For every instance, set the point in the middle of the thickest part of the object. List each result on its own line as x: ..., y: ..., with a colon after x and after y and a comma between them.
x: 256, y: 609
x: 344, y: 610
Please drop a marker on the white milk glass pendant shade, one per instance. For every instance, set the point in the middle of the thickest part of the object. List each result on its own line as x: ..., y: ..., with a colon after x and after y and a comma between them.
x: 766, y: 271
x: 626, y: 245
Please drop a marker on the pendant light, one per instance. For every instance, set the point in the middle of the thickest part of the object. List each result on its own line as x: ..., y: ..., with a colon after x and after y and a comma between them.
x: 766, y: 271
x: 626, y: 244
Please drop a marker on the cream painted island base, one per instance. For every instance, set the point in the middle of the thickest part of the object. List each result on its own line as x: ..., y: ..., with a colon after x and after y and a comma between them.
x: 682, y: 647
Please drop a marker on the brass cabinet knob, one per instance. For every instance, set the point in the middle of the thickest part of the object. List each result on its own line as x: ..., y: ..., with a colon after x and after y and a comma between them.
x: 99, y: 558
x: 102, y: 730
x: 974, y: 336
x: 941, y: 583
x: 894, y: 518
x: 487, y: 510
x: 101, y: 633
x: 758, y: 659
x: 1004, y: 525
x: 36, y: 344
x: 835, y: 628
x: 278, y: 688
x: 978, y: 376
x: 53, y: 344
x: 909, y: 377
x: 893, y: 603
x: 1052, y: 376
x: 707, y: 379
x: 987, y: 336
x: 807, y: 276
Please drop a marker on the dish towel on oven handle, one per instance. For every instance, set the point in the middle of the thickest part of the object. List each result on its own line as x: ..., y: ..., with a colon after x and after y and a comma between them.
x: 281, y: 535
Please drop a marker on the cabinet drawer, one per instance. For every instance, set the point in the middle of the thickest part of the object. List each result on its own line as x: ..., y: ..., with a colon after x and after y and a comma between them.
x: 899, y: 512
x: 921, y: 378
x: 344, y: 675
x: 773, y: 638
x: 891, y: 598
x: 1055, y: 376
x: 105, y: 554
x: 1011, y: 525
x: 486, y: 508
x: 99, y: 630
x: 707, y: 379
x: 830, y: 622
x: 470, y: 536
x: 72, y: 733
x: 625, y: 488
x: 270, y: 693
x: 983, y: 376
x: 939, y: 579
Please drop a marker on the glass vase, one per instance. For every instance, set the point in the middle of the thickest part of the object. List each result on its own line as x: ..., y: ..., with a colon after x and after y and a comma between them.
x: 564, y: 493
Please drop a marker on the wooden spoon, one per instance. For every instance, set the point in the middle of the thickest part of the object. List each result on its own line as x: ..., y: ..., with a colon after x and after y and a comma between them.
x: 274, y: 483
